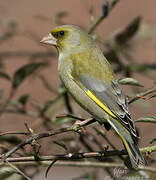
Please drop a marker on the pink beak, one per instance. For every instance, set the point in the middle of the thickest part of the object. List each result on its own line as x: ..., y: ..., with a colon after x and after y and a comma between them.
x: 49, y: 40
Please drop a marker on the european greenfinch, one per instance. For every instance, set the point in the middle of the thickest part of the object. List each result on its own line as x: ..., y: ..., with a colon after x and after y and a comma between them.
x: 89, y: 78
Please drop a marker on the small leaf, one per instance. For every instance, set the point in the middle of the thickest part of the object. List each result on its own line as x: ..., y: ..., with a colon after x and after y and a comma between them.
x: 6, y: 172
x: 149, y: 119
x: 5, y: 76
x: 23, y: 99
x: 129, y: 31
x: 22, y: 73
x: 129, y: 81
x: 153, y: 141
x: 62, y: 119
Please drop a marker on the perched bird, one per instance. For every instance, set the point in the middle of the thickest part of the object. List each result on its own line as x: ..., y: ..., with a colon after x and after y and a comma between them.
x: 88, y: 77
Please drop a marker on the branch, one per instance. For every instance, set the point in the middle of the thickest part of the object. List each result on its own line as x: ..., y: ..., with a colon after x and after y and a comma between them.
x: 106, y: 8
x: 76, y: 156
x: 18, y: 171
x: 141, y: 95
x: 107, y: 140
x: 75, y: 127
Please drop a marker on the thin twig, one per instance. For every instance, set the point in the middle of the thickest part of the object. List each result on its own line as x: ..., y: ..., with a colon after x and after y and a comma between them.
x: 107, y: 140
x: 10, y: 132
x: 18, y: 170
x: 140, y: 95
x: 75, y: 127
x: 106, y: 8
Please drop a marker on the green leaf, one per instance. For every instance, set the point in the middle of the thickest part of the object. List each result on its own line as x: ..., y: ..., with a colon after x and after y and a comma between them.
x: 62, y: 119
x: 129, y: 81
x: 23, y: 99
x: 5, y: 76
x: 22, y: 73
x: 149, y: 119
x: 129, y: 31
x: 6, y: 172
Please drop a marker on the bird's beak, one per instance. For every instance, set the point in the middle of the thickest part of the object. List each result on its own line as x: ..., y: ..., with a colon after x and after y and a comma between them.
x: 49, y: 40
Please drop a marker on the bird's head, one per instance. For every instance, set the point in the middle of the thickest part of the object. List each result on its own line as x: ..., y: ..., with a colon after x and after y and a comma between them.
x: 66, y: 37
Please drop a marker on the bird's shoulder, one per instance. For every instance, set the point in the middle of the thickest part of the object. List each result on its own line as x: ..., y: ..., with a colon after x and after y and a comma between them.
x: 93, y: 63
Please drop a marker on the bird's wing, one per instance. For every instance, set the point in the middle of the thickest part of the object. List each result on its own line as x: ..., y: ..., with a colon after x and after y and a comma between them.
x: 109, y: 96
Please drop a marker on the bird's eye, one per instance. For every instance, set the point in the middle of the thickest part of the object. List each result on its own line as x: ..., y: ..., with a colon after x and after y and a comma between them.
x: 58, y: 34
x: 61, y: 33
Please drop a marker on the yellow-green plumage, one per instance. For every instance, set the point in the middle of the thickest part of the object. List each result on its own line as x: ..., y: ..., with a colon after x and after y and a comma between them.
x: 86, y: 62
x: 88, y: 77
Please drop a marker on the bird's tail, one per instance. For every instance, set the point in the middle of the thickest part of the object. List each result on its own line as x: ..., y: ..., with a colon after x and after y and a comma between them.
x: 136, y: 158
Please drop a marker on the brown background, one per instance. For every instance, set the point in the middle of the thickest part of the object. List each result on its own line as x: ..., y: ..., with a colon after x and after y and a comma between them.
x: 38, y: 17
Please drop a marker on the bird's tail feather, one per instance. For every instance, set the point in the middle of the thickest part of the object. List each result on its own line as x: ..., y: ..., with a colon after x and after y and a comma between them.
x: 134, y: 153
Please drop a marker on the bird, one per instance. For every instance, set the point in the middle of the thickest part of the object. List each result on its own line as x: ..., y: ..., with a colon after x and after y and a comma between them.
x: 89, y: 78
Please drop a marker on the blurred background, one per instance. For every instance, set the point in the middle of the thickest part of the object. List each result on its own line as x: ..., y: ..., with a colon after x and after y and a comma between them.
x: 37, y: 99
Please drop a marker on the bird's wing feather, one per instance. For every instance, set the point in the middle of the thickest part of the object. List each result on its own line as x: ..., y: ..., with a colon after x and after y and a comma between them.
x: 110, y: 97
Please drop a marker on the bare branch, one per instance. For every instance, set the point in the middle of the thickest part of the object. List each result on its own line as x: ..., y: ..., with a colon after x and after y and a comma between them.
x: 75, y: 127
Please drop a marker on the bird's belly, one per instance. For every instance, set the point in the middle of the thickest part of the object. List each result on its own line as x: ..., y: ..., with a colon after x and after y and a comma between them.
x: 84, y: 100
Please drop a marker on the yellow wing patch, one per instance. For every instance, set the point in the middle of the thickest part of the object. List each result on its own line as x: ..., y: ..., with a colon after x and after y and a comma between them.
x: 97, y: 101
